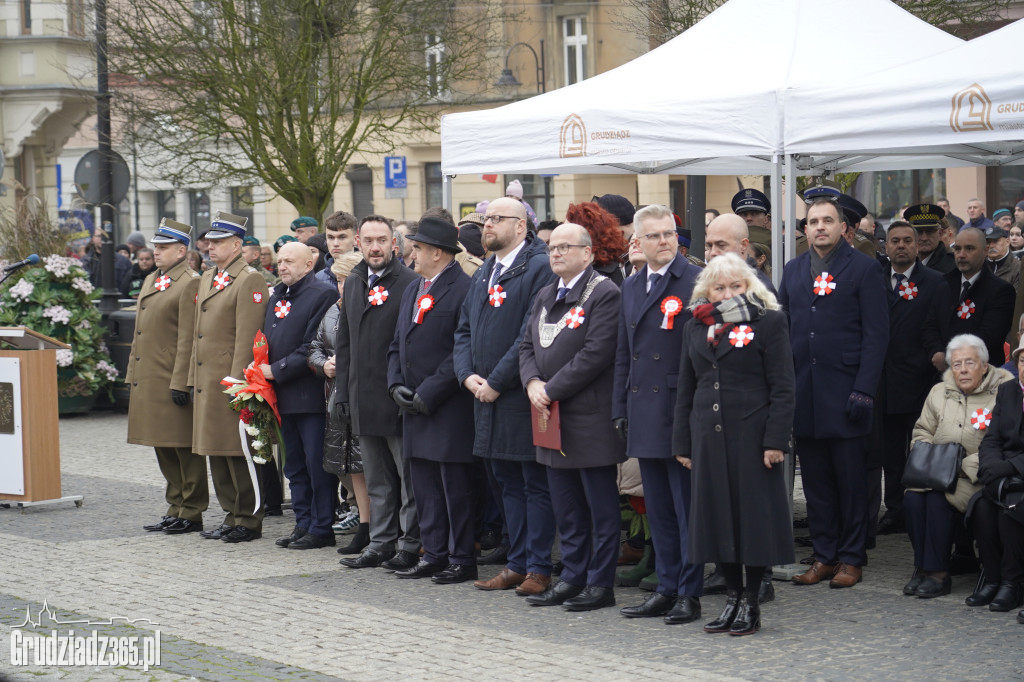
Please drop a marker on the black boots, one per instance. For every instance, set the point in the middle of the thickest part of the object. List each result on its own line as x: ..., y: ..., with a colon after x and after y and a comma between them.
x: 360, y: 540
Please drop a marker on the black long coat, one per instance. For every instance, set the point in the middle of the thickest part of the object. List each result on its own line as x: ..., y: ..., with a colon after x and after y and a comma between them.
x: 992, y: 315
x: 579, y: 370
x: 734, y: 403
x: 420, y: 357
x: 1004, y: 438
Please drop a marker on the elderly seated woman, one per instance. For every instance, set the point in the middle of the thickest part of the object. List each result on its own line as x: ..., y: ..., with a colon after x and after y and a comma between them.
x: 968, y: 389
x: 1000, y: 537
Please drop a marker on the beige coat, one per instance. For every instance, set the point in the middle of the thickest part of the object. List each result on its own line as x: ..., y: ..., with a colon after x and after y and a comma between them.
x: 946, y: 418
x: 160, y: 359
x: 226, y: 323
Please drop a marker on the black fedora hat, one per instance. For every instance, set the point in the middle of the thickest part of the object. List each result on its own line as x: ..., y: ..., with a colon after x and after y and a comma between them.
x: 437, y: 232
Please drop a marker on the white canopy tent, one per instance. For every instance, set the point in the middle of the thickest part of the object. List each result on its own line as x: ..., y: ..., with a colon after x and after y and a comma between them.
x: 709, y: 101
x: 962, y: 107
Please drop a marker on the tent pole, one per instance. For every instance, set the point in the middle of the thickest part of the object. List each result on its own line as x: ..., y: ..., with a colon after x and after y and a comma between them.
x: 446, y: 192
x: 790, y: 209
x: 776, y: 199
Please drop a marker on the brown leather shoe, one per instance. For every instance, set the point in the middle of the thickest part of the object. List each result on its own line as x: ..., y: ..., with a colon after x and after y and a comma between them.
x: 630, y: 555
x: 846, y: 576
x: 815, y: 574
x: 535, y: 583
x: 503, y: 581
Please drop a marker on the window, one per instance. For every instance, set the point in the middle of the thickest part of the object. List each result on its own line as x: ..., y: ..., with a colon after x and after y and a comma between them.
x: 433, y: 183
x: 76, y: 18
x: 435, y: 55
x: 165, y: 207
x: 199, y: 208
x: 241, y: 205
x: 574, y: 48
x: 204, y: 20
x: 26, y: 17
x: 887, y: 193
x: 536, y: 193
x: 361, y: 179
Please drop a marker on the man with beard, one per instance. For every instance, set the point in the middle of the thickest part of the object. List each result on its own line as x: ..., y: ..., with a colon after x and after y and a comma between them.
x: 369, y: 314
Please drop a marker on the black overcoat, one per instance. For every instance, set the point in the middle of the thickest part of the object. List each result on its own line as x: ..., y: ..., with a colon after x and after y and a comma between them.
x: 1004, y: 438
x: 991, y: 316
x: 578, y: 368
x: 734, y: 403
x: 420, y: 357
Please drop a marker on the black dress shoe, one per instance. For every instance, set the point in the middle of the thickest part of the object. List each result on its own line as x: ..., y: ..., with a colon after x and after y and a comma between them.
x: 217, y: 533
x: 931, y: 587
x: 556, y: 595
x: 1007, y: 597
x: 161, y: 524
x: 685, y: 610
x: 657, y: 604
x: 983, y: 595
x: 402, y: 561
x: 296, y: 534
x: 591, y: 598
x: 1020, y: 617
x: 910, y: 589
x: 370, y: 558
x: 456, y: 573
x: 310, y: 541
x: 891, y: 524
x: 766, y: 591
x: 423, y: 569
x: 714, y: 582
x: 728, y: 615
x: 273, y: 511
x: 242, y: 534
x: 182, y: 526
x: 359, y: 541
x: 748, y: 616
x: 496, y: 558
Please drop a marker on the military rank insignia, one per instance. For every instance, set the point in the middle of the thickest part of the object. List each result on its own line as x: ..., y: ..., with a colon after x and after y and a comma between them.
x: 824, y: 284
x: 377, y: 295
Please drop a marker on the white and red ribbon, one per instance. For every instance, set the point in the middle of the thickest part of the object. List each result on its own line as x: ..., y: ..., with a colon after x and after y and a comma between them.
x: 670, y: 307
x: 496, y: 296
x: 221, y: 280
x: 377, y: 295
x: 965, y: 309
x: 423, y: 304
x: 741, y: 335
x: 574, y: 318
x: 908, y: 291
x: 823, y: 284
x: 162, y: 283
x: 981, y: 418
x: 282, y: 308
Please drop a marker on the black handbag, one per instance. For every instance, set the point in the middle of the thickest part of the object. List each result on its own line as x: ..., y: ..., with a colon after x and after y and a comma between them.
x: 1010, y: 497
x: 933, y: 466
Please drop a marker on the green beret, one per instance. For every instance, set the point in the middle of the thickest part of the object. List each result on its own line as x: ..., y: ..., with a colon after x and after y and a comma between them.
x: 282, y: 240
x: 304, y: 221
x: 250, y: 241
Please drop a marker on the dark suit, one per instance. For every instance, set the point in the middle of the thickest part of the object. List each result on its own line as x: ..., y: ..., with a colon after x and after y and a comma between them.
x: 646, y: 375
x: 293, y: 317
x: 918, y: 328
x: 839, y: 344
x: 578, y: 371
x: 941, y: 259
x: 438, y: 445
x: 990, y: 317
x: 365, y: 329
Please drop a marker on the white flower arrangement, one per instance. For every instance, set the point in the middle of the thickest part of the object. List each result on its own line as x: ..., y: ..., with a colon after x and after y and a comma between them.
x: 82, y: 284
x: 65, y: 358
x: 22, y: 290
x: 58, y: 314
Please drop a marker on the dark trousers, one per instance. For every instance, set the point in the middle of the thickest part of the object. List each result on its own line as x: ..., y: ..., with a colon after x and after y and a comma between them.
x: 1000, y: 542
x: 236, y: 494
x: 187, y: 494
x: 833, y: 475
x: 313, y: 489
x: 531, y: 523
x: 270, y: 482
x: 929, y: 518
x: 446, y: 506
x: 667, y: 498
x: 586, y: 506
x: 873, y: 497
x: 392, y: 501
x: 896, y: 431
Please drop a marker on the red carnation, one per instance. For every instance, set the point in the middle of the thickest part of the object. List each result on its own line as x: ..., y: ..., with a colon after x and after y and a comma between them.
x: 246, y: 415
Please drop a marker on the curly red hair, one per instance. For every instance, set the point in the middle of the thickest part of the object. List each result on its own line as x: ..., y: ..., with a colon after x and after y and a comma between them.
x: 605, y: 233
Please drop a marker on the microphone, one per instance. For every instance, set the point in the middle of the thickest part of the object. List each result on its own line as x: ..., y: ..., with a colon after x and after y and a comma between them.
x: 31, y: 260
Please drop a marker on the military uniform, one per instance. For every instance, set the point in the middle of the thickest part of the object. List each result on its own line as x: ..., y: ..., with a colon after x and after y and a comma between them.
x: 158, y: 364
x: 227, y: 320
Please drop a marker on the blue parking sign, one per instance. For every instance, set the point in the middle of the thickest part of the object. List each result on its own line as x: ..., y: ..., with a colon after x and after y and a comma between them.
x: 394, y: 172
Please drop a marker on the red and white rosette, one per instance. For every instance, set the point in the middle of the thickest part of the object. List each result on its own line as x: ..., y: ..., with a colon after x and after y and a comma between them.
x: 823, y: 284
x: 965, y: 309
x: 377, y: 295
x: 162, y: 282
x: 981, y: 418
x: 670, y: 307
x: 741, y: 335
x: 423, y: 304
x: 574, y: 318
x: 282, y: 308
x: 221, y: 280
x: 496, y: 296
x: 907, y: 291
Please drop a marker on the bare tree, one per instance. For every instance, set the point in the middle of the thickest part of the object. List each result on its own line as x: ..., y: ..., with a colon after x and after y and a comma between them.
x: 287, y: 91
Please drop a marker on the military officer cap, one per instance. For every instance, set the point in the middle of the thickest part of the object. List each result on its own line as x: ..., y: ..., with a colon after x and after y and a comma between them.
x: 304, y: 221
x: 751, y: 200
x: 249, y: 240
x: 282, y: 240
x: 170, y: 232
x: 225, y: 225
x: 812, y: 194
x: 854, y: 210
x: 924, y: 216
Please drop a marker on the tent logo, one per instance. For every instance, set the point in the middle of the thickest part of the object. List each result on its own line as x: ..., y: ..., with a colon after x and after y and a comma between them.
x: 572, y: 139
x: 972, y: 109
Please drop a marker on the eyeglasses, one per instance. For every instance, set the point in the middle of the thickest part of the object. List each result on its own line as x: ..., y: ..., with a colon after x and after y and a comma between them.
x: 563, y: 249
x: 668, y: 235
x: 495, y: 219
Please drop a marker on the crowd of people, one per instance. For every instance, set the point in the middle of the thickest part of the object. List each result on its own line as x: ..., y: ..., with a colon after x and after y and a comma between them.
x: 484, y: 383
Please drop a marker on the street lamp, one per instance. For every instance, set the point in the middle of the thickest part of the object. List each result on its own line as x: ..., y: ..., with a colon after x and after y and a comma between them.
x: 507, y: 80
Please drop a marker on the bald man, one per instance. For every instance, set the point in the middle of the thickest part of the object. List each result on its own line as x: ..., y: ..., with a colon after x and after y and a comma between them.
x: 296, y: 307
x: 729, y: 233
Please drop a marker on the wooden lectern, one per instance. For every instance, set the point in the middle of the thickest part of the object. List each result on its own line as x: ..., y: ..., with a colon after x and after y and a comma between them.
x: 29, y: 430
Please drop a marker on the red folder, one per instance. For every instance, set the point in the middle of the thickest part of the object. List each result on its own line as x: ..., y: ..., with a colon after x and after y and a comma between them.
x: 547, y: 433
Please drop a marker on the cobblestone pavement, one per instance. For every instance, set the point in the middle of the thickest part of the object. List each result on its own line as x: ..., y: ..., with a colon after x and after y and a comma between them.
x: 255, y: 612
